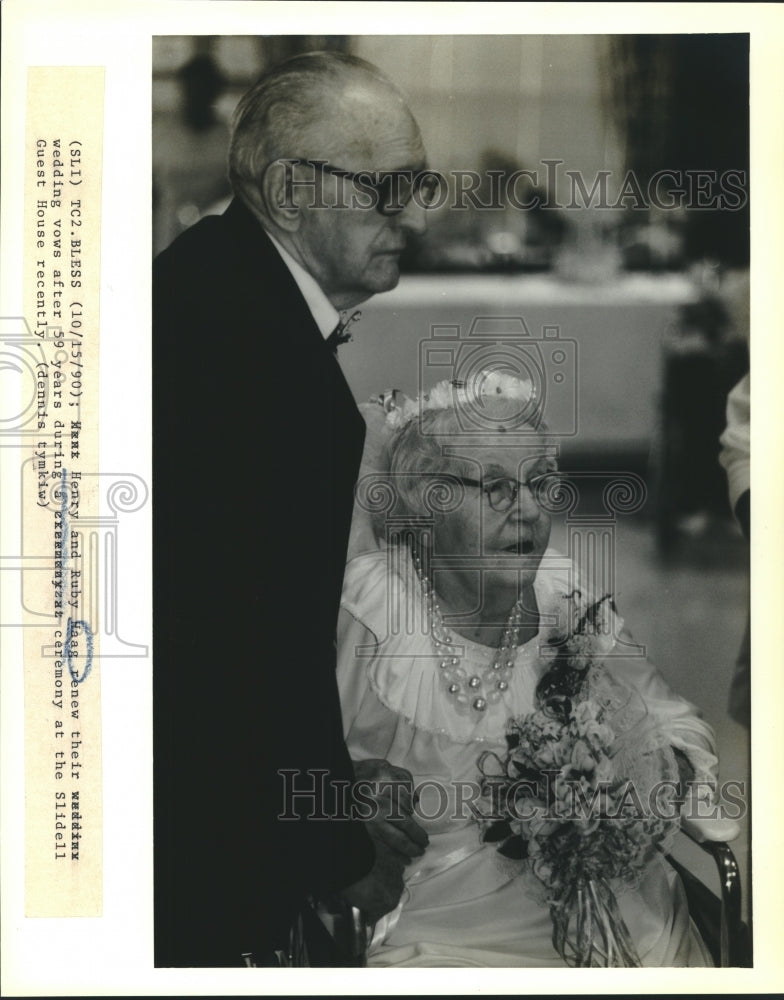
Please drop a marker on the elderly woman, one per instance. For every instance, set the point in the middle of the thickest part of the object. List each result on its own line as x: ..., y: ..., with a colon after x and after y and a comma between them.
x: 455, y: 629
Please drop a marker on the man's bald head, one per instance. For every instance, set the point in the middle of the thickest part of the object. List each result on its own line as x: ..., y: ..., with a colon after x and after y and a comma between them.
x: 320, y: 105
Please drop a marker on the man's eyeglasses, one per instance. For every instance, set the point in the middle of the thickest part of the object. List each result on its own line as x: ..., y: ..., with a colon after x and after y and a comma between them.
x: 502, y: 493
x: 388, y: 191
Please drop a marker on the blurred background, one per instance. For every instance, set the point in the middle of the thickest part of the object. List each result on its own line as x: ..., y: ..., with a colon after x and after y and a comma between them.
x: 653, y: 301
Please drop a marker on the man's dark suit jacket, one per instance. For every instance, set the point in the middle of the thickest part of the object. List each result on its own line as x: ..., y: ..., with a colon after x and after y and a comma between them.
x: 257, y: 444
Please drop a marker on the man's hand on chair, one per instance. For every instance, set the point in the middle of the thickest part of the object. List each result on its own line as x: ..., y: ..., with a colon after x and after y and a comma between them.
x: 380, y: 890
x: 384, y: 794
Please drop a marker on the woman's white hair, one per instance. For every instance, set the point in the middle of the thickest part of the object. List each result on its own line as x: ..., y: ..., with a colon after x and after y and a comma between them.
x: 418, y: 453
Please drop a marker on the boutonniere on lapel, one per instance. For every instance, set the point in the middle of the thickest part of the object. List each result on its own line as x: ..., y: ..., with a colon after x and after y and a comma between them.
x: 340, y: 335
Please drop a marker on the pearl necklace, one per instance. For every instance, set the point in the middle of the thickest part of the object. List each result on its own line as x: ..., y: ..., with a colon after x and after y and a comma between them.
x: 475, y: 692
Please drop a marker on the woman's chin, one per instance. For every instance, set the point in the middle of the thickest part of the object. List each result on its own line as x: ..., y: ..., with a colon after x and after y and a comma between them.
x: 510, y: 580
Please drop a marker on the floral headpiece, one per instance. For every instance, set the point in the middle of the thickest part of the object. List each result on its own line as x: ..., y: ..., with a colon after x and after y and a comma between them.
x: 453, y: 393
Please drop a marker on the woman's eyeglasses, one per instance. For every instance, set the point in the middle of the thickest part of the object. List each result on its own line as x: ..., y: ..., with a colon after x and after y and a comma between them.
x: 502, y: 493
x: 389, y: 191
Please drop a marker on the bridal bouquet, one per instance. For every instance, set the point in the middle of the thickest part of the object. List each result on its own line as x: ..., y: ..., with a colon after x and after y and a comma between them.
x: 586, y: 791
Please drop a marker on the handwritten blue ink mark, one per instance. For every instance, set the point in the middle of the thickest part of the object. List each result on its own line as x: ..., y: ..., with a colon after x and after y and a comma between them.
x: 73, y: 627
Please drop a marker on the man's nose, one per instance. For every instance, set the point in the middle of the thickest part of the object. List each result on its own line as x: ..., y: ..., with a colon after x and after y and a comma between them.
x: 412, y: 218
x: 527, y: 508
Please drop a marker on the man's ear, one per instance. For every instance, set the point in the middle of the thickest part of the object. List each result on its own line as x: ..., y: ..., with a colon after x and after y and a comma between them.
x: 277, y: 190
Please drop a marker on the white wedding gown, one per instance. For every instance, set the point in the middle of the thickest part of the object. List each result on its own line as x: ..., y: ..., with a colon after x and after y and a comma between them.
x: 464, y: 904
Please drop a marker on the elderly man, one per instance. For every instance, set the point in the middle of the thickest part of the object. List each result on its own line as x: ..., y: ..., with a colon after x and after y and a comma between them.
x: 257, y: 443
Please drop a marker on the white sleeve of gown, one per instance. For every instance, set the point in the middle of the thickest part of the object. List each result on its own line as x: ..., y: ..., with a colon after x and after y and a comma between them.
x: 735, y: 441
x: 680, y: 720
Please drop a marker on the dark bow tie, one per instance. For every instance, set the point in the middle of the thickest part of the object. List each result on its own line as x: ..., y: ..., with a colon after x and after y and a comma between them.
x: 340, y: 334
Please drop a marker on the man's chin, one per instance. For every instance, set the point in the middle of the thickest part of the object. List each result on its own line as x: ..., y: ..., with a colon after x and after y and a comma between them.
x: 386, y: 274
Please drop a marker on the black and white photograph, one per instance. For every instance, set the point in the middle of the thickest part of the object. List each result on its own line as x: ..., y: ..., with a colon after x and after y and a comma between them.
x: 380, y: 572
x: 470, y: 723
